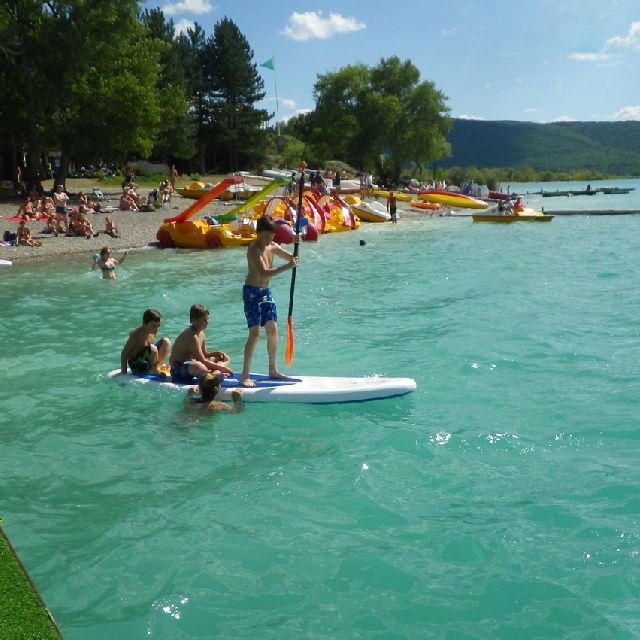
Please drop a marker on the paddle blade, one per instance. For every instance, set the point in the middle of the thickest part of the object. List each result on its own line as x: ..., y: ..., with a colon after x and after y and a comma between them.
x: 288, y: 353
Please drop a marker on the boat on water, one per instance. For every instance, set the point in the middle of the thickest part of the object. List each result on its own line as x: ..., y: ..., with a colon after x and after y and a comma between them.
x: 553, y: 194
x: 451, y: 199
x: 371, y: 211
x: 526, y: 215
x: 615, y: 190
x: 425, y: 206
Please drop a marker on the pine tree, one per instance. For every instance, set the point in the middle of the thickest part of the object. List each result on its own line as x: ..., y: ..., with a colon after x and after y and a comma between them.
x: 233, y: 85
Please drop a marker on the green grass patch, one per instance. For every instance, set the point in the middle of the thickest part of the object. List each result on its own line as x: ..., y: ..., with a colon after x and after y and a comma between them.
x: 23, y: 615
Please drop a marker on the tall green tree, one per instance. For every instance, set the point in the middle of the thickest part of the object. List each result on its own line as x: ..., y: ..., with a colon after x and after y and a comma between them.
x: 104, y: 100
x: 176, y: 133
x: 232, y: 88
x: 190, y: 52
x: 20, y: 54
x: 85, y: 74
x: 379, y: 118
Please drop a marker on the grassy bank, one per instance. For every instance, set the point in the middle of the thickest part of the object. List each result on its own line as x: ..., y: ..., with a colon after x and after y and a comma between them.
x: 23, y: 614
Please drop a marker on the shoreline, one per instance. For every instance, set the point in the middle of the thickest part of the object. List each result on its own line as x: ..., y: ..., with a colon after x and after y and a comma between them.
x: 137, y: 230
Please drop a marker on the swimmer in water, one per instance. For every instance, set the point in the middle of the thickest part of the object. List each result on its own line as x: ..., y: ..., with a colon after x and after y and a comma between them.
x: 208, y: 388
x: 106, y: 263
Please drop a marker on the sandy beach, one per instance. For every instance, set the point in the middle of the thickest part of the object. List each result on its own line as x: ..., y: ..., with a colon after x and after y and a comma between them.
x: 137, y: 229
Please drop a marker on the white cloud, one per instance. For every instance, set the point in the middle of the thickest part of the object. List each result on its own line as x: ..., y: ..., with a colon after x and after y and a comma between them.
x: 564, y: 119
x: 447, y: 33
x: 607, y: 53
x: 196, y: 7
x: 465, y: 117
x: 631, y: 40
x: 183, y: 25
x: 601, y: 56
x: 298, y: 112
x: 312, y: 26
x: 287, y: 103
x: 627, y: 113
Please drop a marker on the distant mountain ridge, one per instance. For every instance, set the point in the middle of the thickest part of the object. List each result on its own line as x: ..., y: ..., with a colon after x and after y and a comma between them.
x: 609, y: 147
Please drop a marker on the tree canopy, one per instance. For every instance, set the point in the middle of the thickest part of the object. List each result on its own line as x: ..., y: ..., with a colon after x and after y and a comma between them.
x: 378, y: 118
x: 102, y: 80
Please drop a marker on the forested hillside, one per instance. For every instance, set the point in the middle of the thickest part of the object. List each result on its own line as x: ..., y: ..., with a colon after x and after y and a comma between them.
x: 609, y: 147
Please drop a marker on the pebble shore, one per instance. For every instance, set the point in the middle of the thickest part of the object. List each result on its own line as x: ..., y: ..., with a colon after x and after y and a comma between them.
x: 137, y: 230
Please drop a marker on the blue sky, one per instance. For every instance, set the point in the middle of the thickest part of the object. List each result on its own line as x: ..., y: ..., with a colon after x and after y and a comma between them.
x: 531, y: 60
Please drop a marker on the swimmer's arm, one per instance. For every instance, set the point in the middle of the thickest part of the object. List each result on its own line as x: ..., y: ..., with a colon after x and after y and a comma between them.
x: 124, y: 255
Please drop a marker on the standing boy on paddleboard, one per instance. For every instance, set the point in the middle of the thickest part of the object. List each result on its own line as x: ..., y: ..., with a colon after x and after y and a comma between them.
x: 259, y: 305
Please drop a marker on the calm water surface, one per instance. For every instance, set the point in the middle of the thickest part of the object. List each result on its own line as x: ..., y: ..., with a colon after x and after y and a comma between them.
x: 500, y: 500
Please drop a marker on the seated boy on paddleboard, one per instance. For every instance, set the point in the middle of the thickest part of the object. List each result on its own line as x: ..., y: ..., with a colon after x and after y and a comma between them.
x: 208, y: 388
x: 259, y: 306
x: 142, y: 352
x: 189, y: 356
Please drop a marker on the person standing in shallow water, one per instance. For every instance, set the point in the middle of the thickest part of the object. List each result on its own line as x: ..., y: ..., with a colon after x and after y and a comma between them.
x: 106, y: 263
x: 392, y: 206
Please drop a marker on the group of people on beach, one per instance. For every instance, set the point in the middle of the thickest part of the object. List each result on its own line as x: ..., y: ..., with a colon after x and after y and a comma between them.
x: 188, y: 357
x: 61, y: 218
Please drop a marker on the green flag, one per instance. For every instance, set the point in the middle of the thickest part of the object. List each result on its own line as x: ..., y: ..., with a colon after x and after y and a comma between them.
x: 269, y: 64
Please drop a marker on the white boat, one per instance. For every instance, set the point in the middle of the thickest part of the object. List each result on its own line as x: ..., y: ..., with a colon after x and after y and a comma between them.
x: 304, y: 389
x: 371, y: 211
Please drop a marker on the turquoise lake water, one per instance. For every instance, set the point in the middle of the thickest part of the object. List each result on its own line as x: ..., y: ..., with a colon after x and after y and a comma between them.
x: 500, y: 500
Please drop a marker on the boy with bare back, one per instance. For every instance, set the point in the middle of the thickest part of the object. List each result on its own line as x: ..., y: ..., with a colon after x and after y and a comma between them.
x: 189, y: 356
x: 142, y: 353
x: 259, y: 306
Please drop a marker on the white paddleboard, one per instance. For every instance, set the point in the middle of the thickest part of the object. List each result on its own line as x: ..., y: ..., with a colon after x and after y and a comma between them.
x: 306, y: 389
x: 5, y: 263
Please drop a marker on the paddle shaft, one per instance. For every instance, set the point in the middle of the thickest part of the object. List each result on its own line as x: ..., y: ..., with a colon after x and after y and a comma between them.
x: 296, y: 244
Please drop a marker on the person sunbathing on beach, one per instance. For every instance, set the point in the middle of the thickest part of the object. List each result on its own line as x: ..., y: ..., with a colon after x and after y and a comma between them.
x: 80, y: 226
x: 127, y: 203
x: 143, y: 353
x: 208, y: 388
x: 109, y: 228
x: 259, y: 305
x: 23, y: 236
x: 106, y: 263
x: 189, y: 356
x: 51, y: 224
x: 25, y: 210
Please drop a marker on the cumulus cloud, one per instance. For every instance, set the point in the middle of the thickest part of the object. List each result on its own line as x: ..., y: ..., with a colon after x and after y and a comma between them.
x: 627, y: 113
x: 287, y: 103
x: 611, y: 49
x: 310, y: 25
x: 182, y: 26
x: 196, y: 7
x: 631, y: 40
x: 466, y: 117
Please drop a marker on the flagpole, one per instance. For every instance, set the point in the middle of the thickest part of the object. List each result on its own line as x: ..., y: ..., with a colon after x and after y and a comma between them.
x: 275, y: 82
x: 271, y: 64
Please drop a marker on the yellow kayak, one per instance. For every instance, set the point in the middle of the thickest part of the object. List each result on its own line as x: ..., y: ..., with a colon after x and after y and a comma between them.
x: 453, y: 200
x: 380, y: 193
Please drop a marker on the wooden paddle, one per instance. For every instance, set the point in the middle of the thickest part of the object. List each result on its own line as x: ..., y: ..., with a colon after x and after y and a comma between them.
x: 288, y: 354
